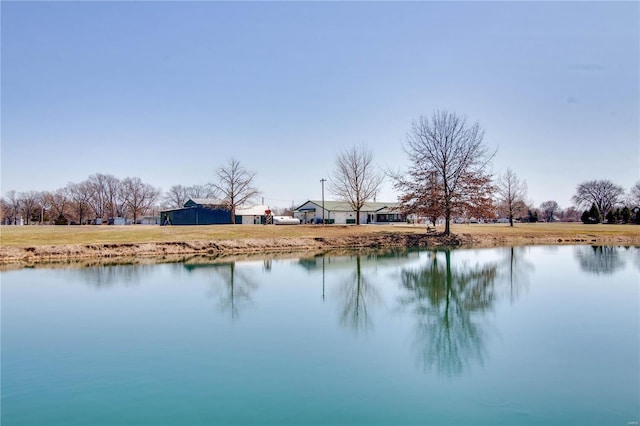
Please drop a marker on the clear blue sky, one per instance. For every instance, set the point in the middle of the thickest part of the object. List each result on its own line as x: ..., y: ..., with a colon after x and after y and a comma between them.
x: 169, y: 91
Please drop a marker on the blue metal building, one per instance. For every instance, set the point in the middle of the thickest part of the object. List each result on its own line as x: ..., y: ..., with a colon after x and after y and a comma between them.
x: 198, y: 211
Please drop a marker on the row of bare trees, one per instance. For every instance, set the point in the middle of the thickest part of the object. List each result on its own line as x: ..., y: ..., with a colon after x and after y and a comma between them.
x: 104, y: 196
x: 448, y: 176
x: 100, y: 196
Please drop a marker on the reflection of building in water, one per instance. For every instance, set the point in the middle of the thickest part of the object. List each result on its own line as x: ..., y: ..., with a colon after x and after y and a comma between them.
x: 599, y: 259
x: 448, y: 301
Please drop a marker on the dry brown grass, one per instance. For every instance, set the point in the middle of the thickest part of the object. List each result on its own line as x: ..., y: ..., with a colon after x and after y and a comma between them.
x: 29, y: 236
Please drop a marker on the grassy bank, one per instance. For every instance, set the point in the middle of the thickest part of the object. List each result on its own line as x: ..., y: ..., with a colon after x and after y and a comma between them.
x: 33, y: 236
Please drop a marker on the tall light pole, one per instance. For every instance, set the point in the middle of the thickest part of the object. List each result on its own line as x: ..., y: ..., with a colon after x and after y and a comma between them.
x: 322, y: 181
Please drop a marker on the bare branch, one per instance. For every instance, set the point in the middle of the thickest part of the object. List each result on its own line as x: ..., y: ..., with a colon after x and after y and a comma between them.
x: 448, y: 160
x: 355, y: 178
x: 235, y: 184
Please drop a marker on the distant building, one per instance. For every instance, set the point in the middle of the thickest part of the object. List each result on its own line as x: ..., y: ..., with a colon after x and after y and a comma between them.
x: 251, y: 215
x: 16, y: 220
x: 198, y: 211
x: 209, y: 211
x: 149, y: 220
x: 117, y: 221
x: 341, y: 212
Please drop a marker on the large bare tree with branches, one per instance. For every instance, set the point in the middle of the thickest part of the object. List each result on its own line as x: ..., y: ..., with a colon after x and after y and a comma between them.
x: 603, y: 193
x: 549, y: 209
x: 355, y: 179
x: 512, y: 193
x: 138, y: 196
x: 12, y: 204
x: 59, y: 203
x: 178, y: 195
x: 235, y: 183
x: 445, y: 144
x: 106, y: 199
x: 634, y: 195
x: 80, y: 197
x: 29, y: 203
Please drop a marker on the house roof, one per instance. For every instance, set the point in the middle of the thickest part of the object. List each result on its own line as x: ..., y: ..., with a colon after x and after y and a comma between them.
x: 251, y: 211
x: 343, y: 206
x: 207, y: 201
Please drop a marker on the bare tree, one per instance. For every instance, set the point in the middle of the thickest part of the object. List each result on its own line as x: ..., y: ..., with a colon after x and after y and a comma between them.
x: 98, y: 196
x: 202, y: 191
x: 454, y: 150
x: 634, y: 195
x: 138, y: 196
x: 603, y: 193
x: 80, y: 198
x: 236, y: 185
x: 44, y: 199
x: 106, y: 199
x: 512, y: 192
x: 28, y: 204
x: 549, y: 210
x: 114, y: 197
x: 59, y: 203
x: 355, y: 178
x: 5, y: 211
x: 570, y: 214
x: 176, y: 196
x: 13, y: 203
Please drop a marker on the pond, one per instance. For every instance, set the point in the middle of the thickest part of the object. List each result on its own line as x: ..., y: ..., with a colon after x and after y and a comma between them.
x: 514, y: 336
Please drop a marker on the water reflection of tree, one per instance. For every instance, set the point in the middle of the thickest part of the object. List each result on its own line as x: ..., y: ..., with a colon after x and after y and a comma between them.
x: 233, y: 287
x: 446, y: 301
x: 635, y: 255
x: 599, y: 259
x: 104, y: 276
x: 357, y: 295
x: 517, y: 270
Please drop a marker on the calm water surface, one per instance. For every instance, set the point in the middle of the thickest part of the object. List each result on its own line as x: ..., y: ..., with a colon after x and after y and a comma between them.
x: 522, y: 336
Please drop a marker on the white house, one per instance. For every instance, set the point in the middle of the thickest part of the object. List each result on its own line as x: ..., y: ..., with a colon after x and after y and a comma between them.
x: 341, y: 212
x: 251, y: 215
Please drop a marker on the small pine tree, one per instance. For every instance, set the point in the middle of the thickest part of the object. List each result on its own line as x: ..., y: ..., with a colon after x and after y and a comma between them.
x: 594, y: 214
x: 61, y: 220
x: 610, y: 217
x: 625, y: 214
x: 585, y: 217
x: 617, y: 215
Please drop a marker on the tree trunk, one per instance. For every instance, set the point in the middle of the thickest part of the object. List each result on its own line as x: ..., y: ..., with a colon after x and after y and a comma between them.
x: 447, y: 220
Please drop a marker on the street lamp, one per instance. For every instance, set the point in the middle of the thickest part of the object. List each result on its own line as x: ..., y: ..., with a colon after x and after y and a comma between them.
x: 322, y: 181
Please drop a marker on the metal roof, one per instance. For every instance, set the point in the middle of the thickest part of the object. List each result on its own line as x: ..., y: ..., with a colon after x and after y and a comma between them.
x: 343, y: 206
x: 251, y: 211
x: 207, y: 201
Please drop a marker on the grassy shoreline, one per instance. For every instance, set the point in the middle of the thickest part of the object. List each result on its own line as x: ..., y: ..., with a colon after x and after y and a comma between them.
x: 33, y: 244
